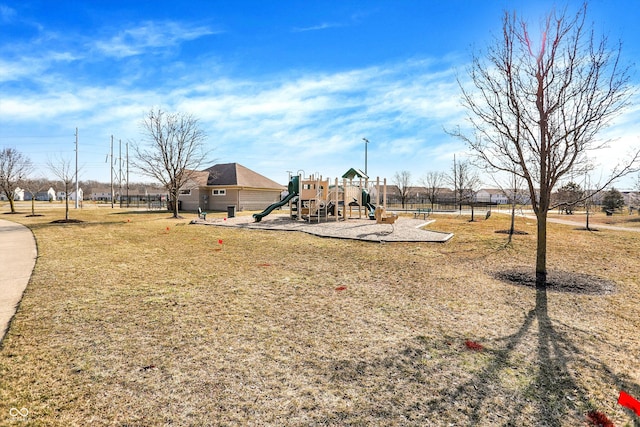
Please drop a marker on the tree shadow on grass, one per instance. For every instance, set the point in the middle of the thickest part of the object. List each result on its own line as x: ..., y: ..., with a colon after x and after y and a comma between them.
x: 555, y: 394
x: 545, y: 373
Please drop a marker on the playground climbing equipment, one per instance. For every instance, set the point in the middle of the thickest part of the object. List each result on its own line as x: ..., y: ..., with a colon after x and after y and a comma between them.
x: 314, y: 199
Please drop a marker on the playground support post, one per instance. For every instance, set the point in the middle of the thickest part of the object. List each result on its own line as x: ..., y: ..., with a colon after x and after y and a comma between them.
x: 337, y: 205
x: 384, y: 195
x: 299, y: 203
x: 344, y: 199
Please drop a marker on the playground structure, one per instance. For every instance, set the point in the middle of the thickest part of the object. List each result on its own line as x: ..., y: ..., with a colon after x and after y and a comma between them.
x: 312, y: 198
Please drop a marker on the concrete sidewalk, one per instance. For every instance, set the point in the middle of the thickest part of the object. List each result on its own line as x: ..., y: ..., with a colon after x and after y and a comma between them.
x: 18, y: 253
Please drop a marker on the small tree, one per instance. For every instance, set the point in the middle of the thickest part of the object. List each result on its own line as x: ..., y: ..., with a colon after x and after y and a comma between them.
x: 14, y: 168
x: 515, y: 193
x: 568, y: 196
x: 34, y: 186
x: 173, y: 148
x: 62, y: 169
x: 613, y: 200
x: 403, y: 181
x: 465, y: 182
x: 433, y: 182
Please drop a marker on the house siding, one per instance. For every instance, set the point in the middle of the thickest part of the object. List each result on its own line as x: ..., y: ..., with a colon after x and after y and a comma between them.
x: 242, y: 199
x: 220, y: 202
x: 258, y: 199
x: 191, y: 202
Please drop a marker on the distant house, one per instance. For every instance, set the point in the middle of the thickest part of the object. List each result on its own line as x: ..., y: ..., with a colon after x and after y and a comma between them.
x: 631, y: 197
x: 42, y: 196
x: 18, y: 194
x: 492, y: 195
x: 72, y: 196
x: 101, y: 194
x: 229, y: 184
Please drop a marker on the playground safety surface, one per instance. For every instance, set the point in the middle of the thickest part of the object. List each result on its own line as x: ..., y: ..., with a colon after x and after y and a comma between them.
x: 404, y: 229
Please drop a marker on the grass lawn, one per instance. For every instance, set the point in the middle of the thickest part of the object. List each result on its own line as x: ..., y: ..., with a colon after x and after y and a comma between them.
x: 137, y: 319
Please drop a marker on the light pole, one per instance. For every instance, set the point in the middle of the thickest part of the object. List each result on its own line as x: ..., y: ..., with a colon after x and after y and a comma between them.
x: 366, y: 142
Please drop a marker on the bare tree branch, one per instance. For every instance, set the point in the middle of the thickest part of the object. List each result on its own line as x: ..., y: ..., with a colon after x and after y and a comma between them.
x: 173, y: 148
x: 402, y: 180
x: 536, y: 110
x: 61, y: 168
x: 14, y: 168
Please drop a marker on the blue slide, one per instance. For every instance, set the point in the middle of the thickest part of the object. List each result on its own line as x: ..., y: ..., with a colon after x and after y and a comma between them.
x: 259, y: 216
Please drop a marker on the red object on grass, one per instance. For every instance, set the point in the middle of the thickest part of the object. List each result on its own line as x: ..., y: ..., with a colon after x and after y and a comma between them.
x: 472, y: 345
x: 599, y: 419
x: 341, y: 288
x: 167, y: 228
x: 628, y: 401
x: 220, y: 241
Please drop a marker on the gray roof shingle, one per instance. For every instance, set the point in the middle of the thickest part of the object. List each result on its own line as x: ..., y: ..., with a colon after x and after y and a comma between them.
x: 234, y: 174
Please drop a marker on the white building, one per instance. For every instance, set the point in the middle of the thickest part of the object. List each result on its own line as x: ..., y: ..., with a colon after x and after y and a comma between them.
x: 18, y: 194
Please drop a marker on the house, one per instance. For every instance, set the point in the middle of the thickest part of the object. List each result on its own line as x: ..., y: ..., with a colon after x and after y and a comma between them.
x: 42, y: 196
x: 18, y: 194
x: 101, y: 194
x: 492, y: 195
x: 72, y: 196
x: 229, y: 184
x: 631, y: 198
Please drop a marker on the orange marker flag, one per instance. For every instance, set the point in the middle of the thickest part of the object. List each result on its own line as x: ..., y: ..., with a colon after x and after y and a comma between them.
x: 628, y: 401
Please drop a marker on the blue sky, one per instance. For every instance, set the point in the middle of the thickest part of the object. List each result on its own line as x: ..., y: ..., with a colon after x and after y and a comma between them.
x: 277, y: 85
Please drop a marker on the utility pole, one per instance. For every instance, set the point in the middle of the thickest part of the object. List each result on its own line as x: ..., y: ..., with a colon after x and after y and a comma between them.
x: 77, y: 186
x: 111, y: 170
x: 366, y: 143
x: 127, y: 174
x: 120, y: 172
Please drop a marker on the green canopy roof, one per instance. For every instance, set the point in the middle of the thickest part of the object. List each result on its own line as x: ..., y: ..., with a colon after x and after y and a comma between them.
x: 355, y: 173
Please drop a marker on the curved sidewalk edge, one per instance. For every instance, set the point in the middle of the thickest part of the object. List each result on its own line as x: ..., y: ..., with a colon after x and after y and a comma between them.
x: 18, y: 253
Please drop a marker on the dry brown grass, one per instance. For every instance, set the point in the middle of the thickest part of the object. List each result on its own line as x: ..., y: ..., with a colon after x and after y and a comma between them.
x: 621, y: 219
x: 127, y: 323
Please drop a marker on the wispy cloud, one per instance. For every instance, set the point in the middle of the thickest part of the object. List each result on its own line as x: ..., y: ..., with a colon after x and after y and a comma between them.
x: 7, y: 14
x: 309, y: 120
x: 150, y: 36
x: 322, y: 26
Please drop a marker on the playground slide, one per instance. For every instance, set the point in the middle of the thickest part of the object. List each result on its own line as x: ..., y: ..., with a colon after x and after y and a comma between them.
x: 372, y: 210
x: 259, y: 216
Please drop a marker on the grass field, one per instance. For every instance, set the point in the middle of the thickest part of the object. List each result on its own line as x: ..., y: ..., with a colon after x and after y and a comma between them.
x: 136, y: 319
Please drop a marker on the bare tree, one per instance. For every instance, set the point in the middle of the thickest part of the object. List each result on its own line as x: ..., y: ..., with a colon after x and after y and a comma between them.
x: 34, y: 186
x: 402, y: 179
x: 536, y: 110
x: 465, y: 182
x: 14, y: 167
x: 62, y: 169
x: 172, y: 149
x: 515, y: 194
x: 433, y: 182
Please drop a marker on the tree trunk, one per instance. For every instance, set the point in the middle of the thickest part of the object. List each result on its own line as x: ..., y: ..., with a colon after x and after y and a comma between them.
x: 512, y: 227
x: 12, y: 205
x: 174, y: 197
x: 541, y: 250
x: 587, y: 227
x: 33, y: 205
x: 66, y: 207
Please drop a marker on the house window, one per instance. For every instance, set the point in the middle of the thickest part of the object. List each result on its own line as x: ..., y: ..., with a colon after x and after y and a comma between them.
x: 219, y: 192
x: 185, y: 192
